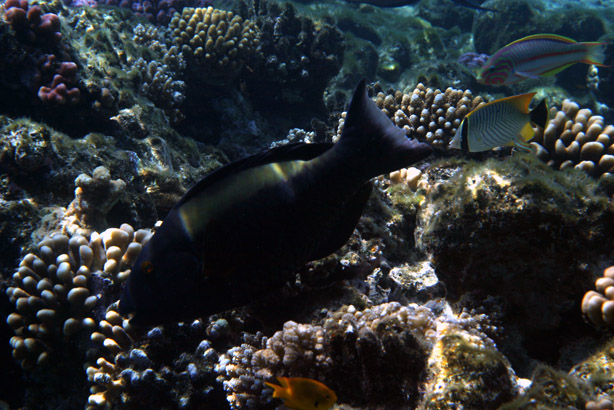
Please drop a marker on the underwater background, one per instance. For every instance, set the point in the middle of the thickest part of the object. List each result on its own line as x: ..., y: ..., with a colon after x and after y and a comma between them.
x: 474, y: 280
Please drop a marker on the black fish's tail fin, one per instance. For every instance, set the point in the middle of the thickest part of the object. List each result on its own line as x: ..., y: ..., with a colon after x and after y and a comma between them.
x: 540, y: 114
x: 372, y: 139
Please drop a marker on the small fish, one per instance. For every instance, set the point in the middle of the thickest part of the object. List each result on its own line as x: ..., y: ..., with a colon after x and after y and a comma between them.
x: 506, y: 121
x: 472, y: 5
x: 300, y: 393
x: 241, y: 231
x: 540, y: 55
x: 401, y: 3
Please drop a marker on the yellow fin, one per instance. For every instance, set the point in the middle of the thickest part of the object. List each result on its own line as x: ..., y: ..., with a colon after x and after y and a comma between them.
x: 279, y: 392
x: 543, y: 37
x: 527, y: 132
x: 521, y: 101
x: 557, y: 70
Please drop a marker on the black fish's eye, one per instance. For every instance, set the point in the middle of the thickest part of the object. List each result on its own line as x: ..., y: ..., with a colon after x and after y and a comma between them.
x: 147, y: 267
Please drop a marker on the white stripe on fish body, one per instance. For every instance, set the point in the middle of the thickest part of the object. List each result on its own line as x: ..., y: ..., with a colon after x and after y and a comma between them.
x: 494, y: 126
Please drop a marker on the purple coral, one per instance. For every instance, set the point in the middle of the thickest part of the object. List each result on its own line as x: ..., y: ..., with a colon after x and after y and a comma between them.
x: 59, y: 91
x: 30, y: 24
x: 473, y: 60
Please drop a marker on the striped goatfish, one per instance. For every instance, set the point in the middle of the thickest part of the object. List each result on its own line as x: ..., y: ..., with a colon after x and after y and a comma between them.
x: 241, y: 231
x: 501, y: 122
x: 540, y: 55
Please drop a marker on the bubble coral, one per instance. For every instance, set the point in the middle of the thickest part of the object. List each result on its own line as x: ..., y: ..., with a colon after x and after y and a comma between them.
x: 53, y: 292
x: 598, y: 306
x: 214, y: 42
x: 576, y: 138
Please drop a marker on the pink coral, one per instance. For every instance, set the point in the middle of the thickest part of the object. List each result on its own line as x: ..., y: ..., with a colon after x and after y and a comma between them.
x: 59, y: 91
x: 31, y: 24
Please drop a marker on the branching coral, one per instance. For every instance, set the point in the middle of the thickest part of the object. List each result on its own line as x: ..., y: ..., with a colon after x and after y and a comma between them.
x: 216, y: 43
x: 575, y: 137
x: 160, y: 79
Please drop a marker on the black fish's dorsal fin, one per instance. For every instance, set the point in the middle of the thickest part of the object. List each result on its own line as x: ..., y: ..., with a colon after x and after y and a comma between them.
x: 289, y: 152
x: 372, y: 142
x: 540, y: 114
x: 364, y: 115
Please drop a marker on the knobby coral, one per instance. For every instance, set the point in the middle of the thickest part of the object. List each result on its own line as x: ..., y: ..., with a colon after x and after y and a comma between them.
x: 598, y: 306
x: 427, y: 114
x: 217, y: 42
x: 56, y: 289
x: 577, y: 138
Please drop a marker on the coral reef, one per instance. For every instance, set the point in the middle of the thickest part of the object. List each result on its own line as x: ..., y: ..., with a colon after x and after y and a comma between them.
x: 299, y: 56
x: 58, y: 91
x: 549, y: 390
x: 478, y: 241
x: 133, y: 369
x: 348, y: 349
x: 43, y: 61
x: 596, y: 372
x: 30, y: 24
x: 427, y: 114
x: 215, y: 43
x: 156, y: 11
x: 577, y: 138
x: 95, y: 196
x: 56, y: 291
x: 598, y: 306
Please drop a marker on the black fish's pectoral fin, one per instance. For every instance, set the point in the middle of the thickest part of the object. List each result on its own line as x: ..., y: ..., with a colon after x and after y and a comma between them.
x: 348, y: 218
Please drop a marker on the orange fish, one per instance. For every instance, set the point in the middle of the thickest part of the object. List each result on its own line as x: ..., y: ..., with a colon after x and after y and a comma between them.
x: 301, y: 393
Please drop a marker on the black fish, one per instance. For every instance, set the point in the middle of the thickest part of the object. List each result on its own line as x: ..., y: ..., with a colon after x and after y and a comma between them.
x: 241, y: 230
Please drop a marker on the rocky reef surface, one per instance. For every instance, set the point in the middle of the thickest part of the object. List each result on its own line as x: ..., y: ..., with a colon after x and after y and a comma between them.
x: 474, y: 281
